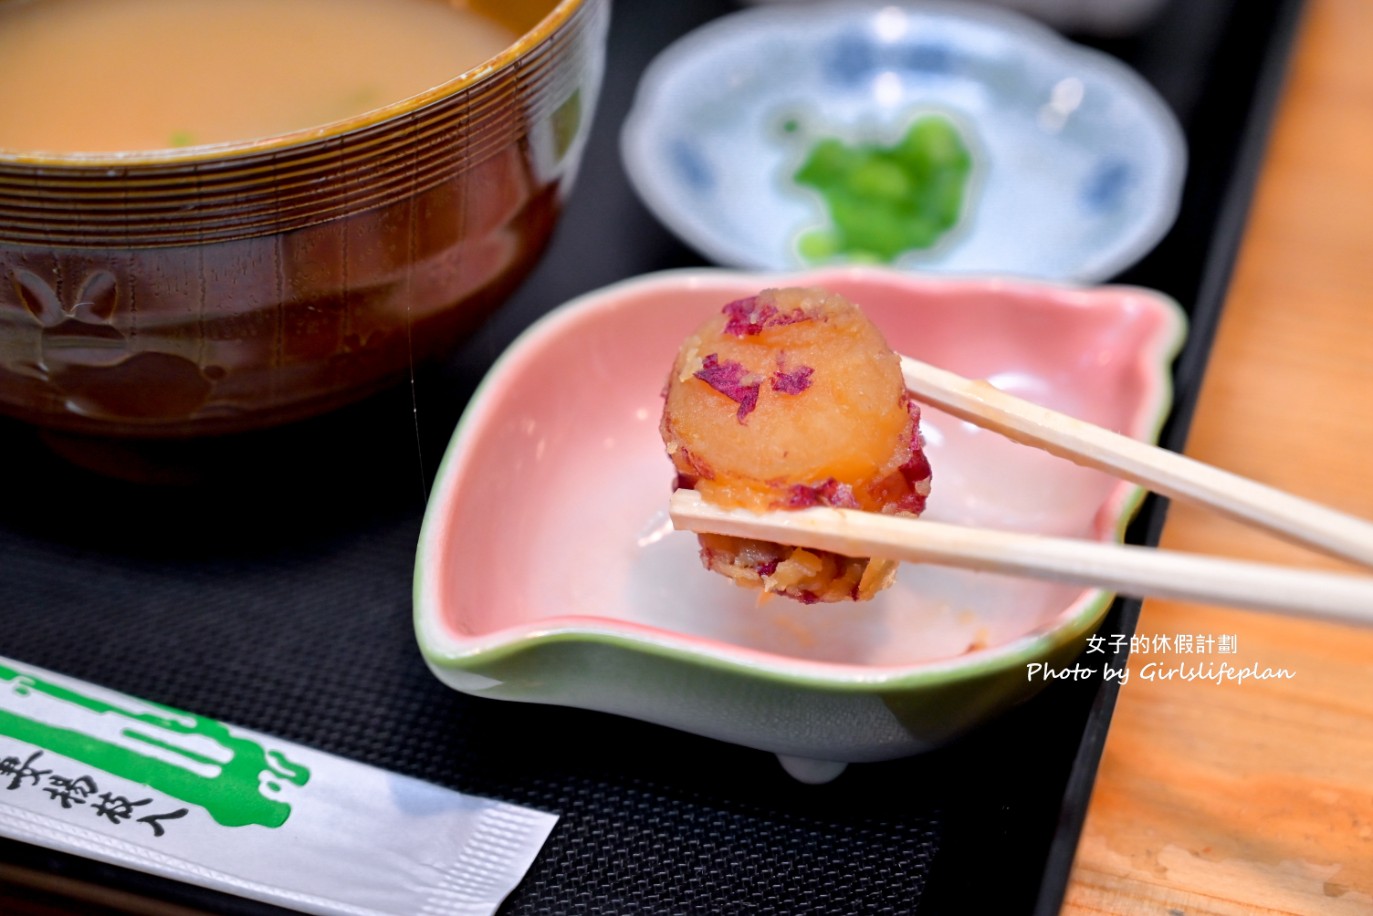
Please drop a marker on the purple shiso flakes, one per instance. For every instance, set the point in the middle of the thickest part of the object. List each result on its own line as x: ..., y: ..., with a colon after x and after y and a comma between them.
x: 733, y: 381
x: 830, y: 493
x: 748, y: 316
x: 793, y: 382
x: 917, y: 467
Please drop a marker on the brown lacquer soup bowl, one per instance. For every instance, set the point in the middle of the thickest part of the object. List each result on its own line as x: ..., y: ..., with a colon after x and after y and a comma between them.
x: 236, y: 286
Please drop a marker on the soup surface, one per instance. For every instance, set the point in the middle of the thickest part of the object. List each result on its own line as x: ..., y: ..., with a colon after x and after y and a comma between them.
x: 111, y: 75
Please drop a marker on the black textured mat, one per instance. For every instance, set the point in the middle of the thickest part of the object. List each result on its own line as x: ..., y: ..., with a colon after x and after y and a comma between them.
x: 278, y: 597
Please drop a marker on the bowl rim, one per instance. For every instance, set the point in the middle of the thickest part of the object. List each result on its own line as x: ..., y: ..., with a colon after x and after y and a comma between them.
x: 644, y: 176
x: 559, y: 15
x: 444, y: 649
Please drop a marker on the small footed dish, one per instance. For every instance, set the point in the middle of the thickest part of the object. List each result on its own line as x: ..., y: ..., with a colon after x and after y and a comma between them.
x: 547, y: 570
x: 1072, y: 167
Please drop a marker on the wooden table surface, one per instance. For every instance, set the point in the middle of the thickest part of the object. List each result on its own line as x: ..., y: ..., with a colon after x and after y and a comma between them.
x: 1257, y: 797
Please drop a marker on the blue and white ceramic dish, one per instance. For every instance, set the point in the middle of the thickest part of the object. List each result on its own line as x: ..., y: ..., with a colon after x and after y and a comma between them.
x: 1078, y: 164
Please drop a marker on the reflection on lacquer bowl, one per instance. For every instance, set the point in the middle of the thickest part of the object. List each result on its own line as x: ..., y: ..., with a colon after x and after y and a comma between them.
x: 235, y: 285
x: 547, y: 570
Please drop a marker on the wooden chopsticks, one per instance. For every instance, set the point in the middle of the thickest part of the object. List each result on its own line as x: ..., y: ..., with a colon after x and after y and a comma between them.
x: 1136, y: 571
x: 1127, y: 570
x: 1157, y: 469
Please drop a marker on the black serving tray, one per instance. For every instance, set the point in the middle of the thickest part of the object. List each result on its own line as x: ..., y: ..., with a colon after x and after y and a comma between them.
x: 277, y: 595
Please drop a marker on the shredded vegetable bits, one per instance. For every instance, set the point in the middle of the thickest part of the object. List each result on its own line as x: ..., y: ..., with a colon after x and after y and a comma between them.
x: 885, y: 201
x: 790, y: 399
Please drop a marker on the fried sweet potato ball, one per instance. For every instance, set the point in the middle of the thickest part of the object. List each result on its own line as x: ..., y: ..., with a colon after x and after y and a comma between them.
x: 789, y: 399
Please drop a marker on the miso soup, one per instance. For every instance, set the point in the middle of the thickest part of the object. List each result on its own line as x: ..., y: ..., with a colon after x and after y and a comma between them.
x: 111, y: 75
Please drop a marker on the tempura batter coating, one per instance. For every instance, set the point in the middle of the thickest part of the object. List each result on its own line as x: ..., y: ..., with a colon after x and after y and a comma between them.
x: 789, y: 399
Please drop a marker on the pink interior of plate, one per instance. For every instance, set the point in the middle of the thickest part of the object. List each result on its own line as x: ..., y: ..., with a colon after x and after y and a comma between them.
x: 552, y: 505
